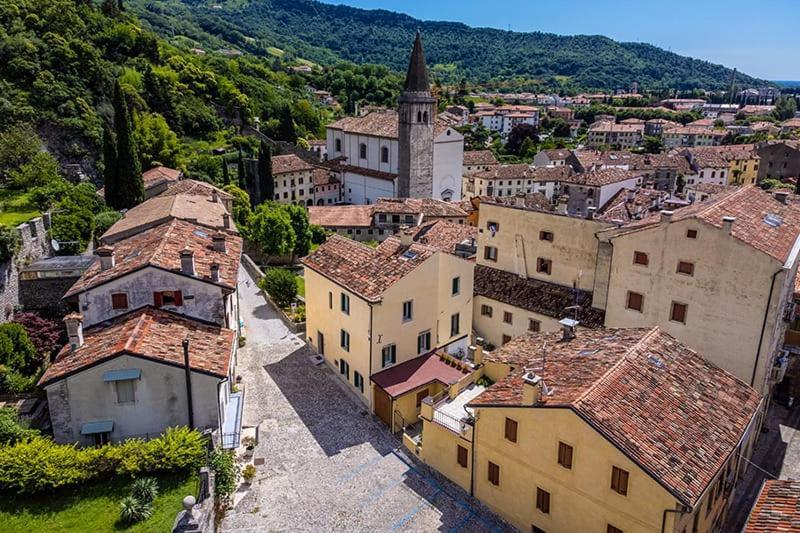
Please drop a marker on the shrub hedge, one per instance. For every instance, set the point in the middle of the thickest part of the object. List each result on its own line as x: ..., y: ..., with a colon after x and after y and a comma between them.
x: 38, y: 463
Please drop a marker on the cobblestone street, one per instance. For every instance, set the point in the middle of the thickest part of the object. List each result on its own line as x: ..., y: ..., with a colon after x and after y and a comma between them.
x: 328, y: 464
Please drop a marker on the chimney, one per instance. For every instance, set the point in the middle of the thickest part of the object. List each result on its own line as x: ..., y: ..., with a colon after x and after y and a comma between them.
x: 214, y: 272
x: 531, y: 388
x: 406, y: 236
x: 568, y: 326
x: 562, y: 204
x: 74, y: 323
x: 666, y: 216
x: 226, y: 221
x: 214, y: 196
x: 727, y: 224
x: 781, y: 196
x: 106, y: 255
x: 630, y: 195
x: 187, y: 261
x: 519, y: 199
x: 590, y: 212
x: 219, y: 242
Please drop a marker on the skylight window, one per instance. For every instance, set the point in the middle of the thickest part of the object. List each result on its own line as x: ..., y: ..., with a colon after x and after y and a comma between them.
x: 772, y: 220
x: 200, y: 233
x: 408, y: 255
x: 655, y: 361
x: 587, y: 353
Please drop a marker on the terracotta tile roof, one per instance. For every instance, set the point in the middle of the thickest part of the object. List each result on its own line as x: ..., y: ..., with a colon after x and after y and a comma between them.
x: 703, y: 158
x: 322, y: 176
x: 673, y: 413
x: 610, y: 127
x: 534, y: 201
x: 151, y: 334
x: 344, y: 216
x: 694, y: 130
x: 199, y: 188
x: 479, y: 157
x: 537, y: 296
x: 557, y: 154
x: 384, y: 123
x: 524, y: 171
x: 777, y: 508
x: 632, y: 204
x: 444, y: 236
x: 600, y: 177
x: 157, y: 175
x: 762, y: 221
x: 338, y: 165
x: 708, y: 188
x: 429, y: 207
x: 160, y: 247
x: 671, y: 161
x: 702, y: 123
x: 362, y: 270
x: 160, y: 209
x: 281, y: 164
x: 407, y: 376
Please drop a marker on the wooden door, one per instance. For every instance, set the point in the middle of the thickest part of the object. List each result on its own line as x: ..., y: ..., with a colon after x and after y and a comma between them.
x: 383, y: 406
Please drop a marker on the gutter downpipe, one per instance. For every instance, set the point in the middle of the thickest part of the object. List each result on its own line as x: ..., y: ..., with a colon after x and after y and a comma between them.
x: 474, y: 450
x: 683, y: 510
x: 188, y: 382
x: 764, y: 326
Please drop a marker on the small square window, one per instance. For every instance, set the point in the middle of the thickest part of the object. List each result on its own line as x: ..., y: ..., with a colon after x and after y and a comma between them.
x: 508, y: 317
x: 678, y: 312
x: 490, y: 253
x: 684, y: 267
x: 635, y: 301
x: 544, y: 266
x: 640, y: 258
x: 119, y: 300
x: 691, y: 233
x: 534, y: 325
x: 486, y: 310
x: 125, y: 391
x: 546, y: 236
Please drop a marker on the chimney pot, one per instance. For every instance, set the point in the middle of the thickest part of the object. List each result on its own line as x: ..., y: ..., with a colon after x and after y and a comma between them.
x: 106, y: 255
x: 519, y: 199
x: 187, y: 261
x: 781, y: 196
x: 74, y: 324
x: 214, y: 272
x: 727, y: 224
x: 666, y: 216
x: 214, y: 196
x: 219, y: 242
x: 226, y: 221
x: 531, y: 388
x: 590, y: 211
x: 406, y: 236
x: 568, y: 326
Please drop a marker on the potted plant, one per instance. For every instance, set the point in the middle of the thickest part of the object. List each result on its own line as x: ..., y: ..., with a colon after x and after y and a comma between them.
x: 249, y: 473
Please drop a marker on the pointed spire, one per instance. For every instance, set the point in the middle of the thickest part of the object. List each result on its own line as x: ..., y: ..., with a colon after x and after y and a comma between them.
x: 417, y: 75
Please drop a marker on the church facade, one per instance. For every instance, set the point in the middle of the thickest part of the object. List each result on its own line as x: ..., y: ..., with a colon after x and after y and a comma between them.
x: 408, y: 153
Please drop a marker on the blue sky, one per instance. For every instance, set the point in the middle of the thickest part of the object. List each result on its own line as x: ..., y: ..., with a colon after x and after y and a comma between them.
x: 758, y: 37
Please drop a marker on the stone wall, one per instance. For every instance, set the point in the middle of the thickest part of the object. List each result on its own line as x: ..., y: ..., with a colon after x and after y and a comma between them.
x: 44, y: 295
x: 35, y: 245
x: 199, y: 518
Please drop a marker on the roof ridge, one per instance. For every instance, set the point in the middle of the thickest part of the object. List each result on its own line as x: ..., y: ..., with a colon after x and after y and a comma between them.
x: 132, y: 338
x: 623, y: 359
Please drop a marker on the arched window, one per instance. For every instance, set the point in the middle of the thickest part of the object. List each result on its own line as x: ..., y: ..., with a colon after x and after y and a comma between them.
x: 384, y: 154
x: 419, y: 116
x: 338, y: 145
x: 362, y: 151
x: 425, y: 117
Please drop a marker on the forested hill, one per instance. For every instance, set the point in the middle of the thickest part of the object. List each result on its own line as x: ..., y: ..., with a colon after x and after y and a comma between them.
x: 323, y: 33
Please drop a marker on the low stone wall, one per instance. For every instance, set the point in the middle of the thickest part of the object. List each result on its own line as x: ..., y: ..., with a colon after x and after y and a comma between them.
x: 199, y: 517
x: 298, y: 328
x: 35, y: 245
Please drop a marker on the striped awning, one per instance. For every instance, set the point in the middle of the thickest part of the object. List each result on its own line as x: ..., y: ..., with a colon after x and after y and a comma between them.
x: 122, y: 374
x: 100, y: 426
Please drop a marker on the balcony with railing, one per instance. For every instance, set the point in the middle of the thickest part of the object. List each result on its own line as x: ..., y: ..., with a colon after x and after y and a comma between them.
x: 449, y: 408
x: 231, y: 430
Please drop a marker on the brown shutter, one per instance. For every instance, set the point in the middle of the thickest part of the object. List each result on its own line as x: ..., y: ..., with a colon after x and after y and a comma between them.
x: 178, y: 298
x: 511, y: 430
x: 157, y: 301
x: 462, y: 456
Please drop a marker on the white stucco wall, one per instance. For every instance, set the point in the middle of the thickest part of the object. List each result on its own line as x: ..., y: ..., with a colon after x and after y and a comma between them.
x: 362, y: 190
x: 448, y: 159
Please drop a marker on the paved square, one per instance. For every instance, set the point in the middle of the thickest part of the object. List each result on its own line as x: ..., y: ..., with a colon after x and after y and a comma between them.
x: 329, y: 465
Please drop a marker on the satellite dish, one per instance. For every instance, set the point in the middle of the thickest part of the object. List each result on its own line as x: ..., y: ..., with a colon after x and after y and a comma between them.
x: 54, y: 244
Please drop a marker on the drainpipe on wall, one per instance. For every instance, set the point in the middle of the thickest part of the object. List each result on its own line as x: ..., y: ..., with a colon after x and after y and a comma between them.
x: 474, y: 450
x: 188, y: 382
x: 764, y: 327
x: 682, y: 510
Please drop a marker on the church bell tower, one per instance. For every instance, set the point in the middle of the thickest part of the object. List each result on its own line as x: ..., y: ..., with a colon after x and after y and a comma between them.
x: 417, y: 113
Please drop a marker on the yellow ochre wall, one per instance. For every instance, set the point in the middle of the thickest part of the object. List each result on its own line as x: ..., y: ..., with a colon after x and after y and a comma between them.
x: 493, y: 328
x: 439, y: 450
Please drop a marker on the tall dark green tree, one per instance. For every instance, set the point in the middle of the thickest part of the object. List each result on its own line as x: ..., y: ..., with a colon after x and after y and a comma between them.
x: 110, y: 164
x: 226, y: 179
x: 240, y: 172
x: 266, y: 183
x: 286, y: 125
x: 129, y: 187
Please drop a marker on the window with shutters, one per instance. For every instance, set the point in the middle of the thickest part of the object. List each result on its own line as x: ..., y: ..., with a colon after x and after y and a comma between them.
x: 461, y: 455
x: 543, y: 500
x: 456, y: 286
x: 511, y: 430
x: 358, y: 381
x: 344, y: 368
x: 345, y: 304
x: 534, y: 325
x: 455, y: 324
x: 619, y: 480
x: 678, y: 312
x: 344, y: 340
x: 490, y: 253
x: 494, y: 474
x: 389, y: 355
x: 544, y: 266
x: 424, y: 342
x: 168, y: 298
x: 640, y: 258
x: 635, y: 301
x: 125, y: 391
x: 508, y: 317
x: 486, y: 310
x: 684, y: 267
x: 408, y: 310
x: 119, y: 300
x: 565, y: 455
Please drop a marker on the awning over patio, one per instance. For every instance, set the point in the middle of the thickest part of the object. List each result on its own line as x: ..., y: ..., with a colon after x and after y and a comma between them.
x: 100, y: 426
x: 404, y: 377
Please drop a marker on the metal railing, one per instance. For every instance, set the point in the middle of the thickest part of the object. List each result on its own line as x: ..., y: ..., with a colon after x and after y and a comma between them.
x: 456, y: 425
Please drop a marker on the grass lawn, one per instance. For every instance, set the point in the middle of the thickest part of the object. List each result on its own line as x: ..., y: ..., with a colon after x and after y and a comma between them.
x: 16, y: 208
x: 93, y: 507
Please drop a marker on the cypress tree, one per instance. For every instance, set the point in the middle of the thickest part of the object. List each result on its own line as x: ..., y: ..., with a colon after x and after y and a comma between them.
x: 286, y: 125
x: 226, y: 179
x: 110, y: 164
x: 266, y: 184
x: 130, y: 185
x: 240, y: 172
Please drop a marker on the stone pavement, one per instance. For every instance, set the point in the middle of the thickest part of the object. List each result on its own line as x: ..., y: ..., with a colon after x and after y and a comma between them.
x: 776, y: 456
x: 328, y: 464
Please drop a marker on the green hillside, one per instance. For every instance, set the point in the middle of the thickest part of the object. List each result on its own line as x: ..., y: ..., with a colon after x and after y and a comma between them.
x: 326, y: 33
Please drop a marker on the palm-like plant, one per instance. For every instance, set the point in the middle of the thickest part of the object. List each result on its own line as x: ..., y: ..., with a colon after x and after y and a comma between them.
x: 133, y: 510
x: 145, y: 489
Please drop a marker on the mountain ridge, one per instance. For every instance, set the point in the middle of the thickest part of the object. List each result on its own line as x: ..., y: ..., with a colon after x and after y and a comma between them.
x: 326, y: 33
